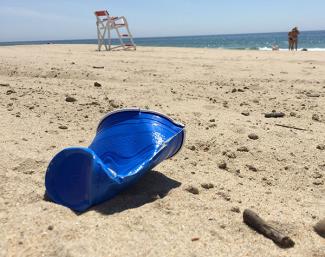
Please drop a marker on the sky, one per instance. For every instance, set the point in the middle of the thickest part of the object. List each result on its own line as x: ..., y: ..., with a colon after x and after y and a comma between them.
x: 25, y: 20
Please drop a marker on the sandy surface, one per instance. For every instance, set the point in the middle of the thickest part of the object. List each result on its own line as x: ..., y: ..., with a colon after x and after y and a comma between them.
x: 205, y: 89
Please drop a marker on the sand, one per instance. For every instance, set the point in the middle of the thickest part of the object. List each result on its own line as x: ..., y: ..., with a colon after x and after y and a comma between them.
x: 280, y: 175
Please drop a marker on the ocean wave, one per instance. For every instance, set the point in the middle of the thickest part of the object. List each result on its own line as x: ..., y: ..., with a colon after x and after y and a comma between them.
x: 299, y: 49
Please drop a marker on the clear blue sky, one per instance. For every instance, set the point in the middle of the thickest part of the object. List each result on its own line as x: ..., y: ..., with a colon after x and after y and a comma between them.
x: 74, y: 19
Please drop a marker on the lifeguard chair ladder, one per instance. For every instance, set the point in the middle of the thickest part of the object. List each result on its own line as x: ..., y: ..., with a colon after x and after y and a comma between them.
x: 105, y: 24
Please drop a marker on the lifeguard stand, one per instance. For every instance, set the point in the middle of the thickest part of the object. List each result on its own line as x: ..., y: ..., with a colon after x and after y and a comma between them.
x: 105, y: 24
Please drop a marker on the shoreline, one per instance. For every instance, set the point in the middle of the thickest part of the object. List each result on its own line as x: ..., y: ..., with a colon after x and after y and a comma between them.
x: 314, y: 40
x: 314, y: 50
x: 263, y: 49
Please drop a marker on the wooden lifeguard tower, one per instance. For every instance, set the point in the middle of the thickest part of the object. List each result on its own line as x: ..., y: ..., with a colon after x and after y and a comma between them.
x: 106, y: 24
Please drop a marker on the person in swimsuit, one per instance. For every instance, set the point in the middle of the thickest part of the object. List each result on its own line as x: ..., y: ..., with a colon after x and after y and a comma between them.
x: 293, y: 38
x: 290, y: 40
x: 295, y: 34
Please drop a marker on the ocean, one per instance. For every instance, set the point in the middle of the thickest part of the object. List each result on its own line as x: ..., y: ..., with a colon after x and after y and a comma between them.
x: 311, y: 40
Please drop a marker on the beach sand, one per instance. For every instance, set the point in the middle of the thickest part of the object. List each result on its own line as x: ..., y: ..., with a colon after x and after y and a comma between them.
x: 280, y: 175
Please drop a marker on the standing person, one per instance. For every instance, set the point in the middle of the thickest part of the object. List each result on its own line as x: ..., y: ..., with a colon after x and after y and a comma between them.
x: 290, y: 40
x: 295, y: 33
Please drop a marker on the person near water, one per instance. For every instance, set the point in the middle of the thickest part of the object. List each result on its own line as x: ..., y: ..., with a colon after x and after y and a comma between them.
x: 290, y: 41
x: 293, y: 39
x: 295, y: 34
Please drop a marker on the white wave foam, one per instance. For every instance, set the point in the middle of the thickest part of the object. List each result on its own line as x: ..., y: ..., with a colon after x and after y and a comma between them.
x: 265, y: 49
x: 299, y: 49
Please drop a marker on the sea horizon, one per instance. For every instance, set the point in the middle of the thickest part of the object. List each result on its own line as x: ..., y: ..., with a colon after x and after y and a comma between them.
x: 312, y: 40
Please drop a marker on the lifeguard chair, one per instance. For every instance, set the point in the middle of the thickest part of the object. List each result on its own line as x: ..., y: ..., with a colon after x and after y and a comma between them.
x: 105, y: 24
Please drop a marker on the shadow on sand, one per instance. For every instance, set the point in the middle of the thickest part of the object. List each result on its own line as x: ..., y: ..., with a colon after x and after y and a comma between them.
x: 152, y: 186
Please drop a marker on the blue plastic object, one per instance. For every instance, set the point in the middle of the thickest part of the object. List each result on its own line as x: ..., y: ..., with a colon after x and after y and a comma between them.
x: 127, y: 144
